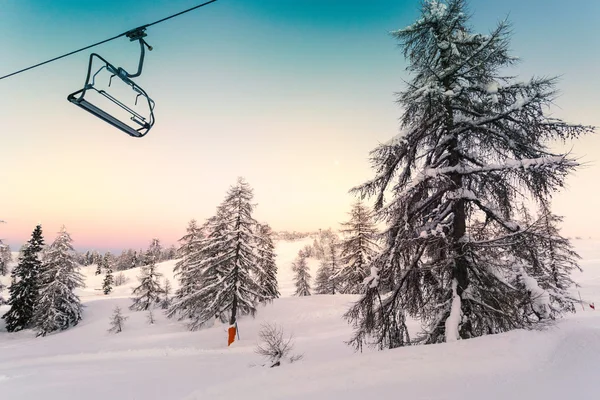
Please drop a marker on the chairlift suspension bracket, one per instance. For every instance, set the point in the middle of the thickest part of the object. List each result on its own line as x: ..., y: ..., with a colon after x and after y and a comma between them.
x: 145, y: 122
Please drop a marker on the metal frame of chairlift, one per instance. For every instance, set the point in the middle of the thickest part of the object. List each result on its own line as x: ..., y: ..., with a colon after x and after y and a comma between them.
x: 78, y: 99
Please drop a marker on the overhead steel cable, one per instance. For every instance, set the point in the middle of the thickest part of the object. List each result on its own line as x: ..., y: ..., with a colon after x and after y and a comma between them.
x: 107, y: 40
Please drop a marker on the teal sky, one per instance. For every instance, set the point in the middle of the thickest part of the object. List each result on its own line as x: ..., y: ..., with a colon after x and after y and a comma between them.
x: 291, y: 94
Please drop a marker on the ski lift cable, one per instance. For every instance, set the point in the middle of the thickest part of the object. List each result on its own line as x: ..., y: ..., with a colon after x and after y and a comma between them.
x: 108, y: 40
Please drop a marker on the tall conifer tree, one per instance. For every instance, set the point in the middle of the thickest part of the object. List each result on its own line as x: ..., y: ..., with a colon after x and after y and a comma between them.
x: 227, y: 258
x: 474, y: 142
x: 58, y: 308
x: 25, y: 286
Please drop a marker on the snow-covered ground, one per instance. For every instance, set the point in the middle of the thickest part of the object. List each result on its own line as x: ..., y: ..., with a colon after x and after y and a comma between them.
x: 165, y: 361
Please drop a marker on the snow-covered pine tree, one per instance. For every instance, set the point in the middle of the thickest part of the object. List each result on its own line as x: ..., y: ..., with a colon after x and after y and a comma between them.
x: 358, y: 248
x: 57, y: 307
x: 86, y: 258
x: 194, y: 249
x: 228, y: 256
x: 323, y: 282
x: 108, y: 282
x: 123, y: 260
x: 96, y: 258
x: 301, y: 276
x: 141, y: 258
x: 149, y: 292
x: 166, y: 301
x: 327, y: 280
x: 5, y: 258
x: 188, y: 253
x: 334, y: 265
x: 25, y: 286
x: 549, y: 260
x: 266, y: 270
x: 3, y: 268
x: 117, y: 320
x: 155, y: 254
x: 99, y: 267
x: 321, y: 243
x: 474, y: 142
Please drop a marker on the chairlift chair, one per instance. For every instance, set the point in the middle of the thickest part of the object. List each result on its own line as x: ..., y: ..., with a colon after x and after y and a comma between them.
x: 145, y: 122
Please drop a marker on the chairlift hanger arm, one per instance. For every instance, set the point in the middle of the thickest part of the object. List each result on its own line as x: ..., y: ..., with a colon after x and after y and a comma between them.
x: 137, y: 34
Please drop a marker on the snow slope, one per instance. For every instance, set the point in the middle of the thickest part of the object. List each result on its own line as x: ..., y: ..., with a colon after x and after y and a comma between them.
x: 165, y: 361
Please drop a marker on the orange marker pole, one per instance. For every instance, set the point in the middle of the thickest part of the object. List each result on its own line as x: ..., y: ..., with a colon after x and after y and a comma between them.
x: 231, y: 338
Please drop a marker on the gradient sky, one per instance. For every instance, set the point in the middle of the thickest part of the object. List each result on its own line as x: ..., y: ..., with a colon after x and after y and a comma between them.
x: 290, y: 94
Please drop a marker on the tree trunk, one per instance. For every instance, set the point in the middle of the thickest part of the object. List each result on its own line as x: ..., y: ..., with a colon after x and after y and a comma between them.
x: 459, y: 224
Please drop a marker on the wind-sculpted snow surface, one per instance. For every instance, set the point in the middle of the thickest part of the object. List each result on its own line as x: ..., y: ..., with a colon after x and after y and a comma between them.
x: 166, y: 361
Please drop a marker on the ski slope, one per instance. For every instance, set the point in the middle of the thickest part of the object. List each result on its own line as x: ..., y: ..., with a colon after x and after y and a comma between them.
x: 165, y: 361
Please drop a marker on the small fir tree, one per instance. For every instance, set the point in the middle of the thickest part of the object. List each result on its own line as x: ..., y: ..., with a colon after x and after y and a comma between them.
x: 323, y: 281
x: 166, y: 301
x: 107, y: 284
x: 117, y: 320
x: 266, y: 269
x: 148, y: 293
x: 188, y: 253
x: 5, y: 258
x: 301, y: 277
x: 2, y: 299
x: 358, y: 248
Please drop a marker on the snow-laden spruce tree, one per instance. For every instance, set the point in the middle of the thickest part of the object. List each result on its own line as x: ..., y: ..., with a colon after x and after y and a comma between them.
x: 225, y: 265
x: 322, y: 241
x: 551, y: 262
x: 323, y: 281
x: 2, y: 299
x: 473, y: 147
x: 58, y: 307
x: 25, y: 286
x: 5, y: 258
x: 332, y: 259
x: 266, y: 270
x: 358, y: 248
x: 149, y: 291
x: 196, y: 247
x: 154, y: 253
x: 108, y: 282
x: 301, y: 276
x: 188, y: 253
x: 328, y: 274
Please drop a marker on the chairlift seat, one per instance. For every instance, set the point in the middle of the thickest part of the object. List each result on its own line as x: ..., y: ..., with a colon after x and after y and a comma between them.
x: 145, y: 122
